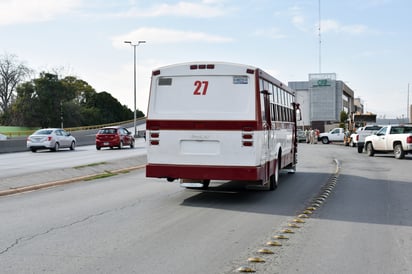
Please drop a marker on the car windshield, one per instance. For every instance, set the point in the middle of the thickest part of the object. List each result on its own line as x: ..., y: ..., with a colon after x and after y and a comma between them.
x: 107, y: 131
x: 43, y: 132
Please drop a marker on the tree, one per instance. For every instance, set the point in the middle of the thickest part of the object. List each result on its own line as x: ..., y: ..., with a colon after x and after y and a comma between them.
x: 48, y: 101
x: 343, y: 119
x: 51, y: 94
x: 40, y: 101
x: 25, y: 111
x: 109, y: 108
x: 11, y: 74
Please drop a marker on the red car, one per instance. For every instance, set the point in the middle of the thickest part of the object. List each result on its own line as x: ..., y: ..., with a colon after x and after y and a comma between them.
x: 114, y: 137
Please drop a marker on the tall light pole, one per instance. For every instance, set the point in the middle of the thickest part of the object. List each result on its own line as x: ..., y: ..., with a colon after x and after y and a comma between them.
x: 408, y: 108
x: 134, y: 78
x: 320, y: 41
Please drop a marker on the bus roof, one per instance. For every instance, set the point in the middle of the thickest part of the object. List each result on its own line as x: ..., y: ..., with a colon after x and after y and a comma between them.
x: 215, y: 67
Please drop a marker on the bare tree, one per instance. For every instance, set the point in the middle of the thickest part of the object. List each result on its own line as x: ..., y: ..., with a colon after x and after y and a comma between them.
x: 12, y: 72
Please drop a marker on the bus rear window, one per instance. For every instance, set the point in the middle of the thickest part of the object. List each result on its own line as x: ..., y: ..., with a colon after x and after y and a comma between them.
x: 165, y: 81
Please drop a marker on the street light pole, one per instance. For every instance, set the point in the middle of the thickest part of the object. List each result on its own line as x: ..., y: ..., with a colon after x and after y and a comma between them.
x: 408, y: 108
x: 134, y: 80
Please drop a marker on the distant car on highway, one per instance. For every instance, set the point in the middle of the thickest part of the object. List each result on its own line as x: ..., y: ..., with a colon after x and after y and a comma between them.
x: 50, y: 138
x: 115, y: 136
x: 3, y: 137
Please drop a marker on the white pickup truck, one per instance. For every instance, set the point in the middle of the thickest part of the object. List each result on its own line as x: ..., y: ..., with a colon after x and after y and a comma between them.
x: 395, y: 139
x: 362, y: 134
x: 335, y: 135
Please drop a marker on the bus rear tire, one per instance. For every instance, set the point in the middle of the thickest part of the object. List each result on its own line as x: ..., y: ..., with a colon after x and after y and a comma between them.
x: 274, y: 178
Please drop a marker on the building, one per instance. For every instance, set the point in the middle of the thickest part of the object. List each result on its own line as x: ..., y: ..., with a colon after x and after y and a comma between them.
x: 410, y: 114
x: 359, y: 106
x: 322, y: 99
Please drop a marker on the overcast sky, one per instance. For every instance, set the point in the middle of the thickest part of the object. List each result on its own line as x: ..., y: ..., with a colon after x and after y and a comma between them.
x: 367, y: 43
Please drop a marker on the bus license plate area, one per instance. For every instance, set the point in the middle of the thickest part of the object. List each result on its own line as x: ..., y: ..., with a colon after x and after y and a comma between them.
x: 200, y: 147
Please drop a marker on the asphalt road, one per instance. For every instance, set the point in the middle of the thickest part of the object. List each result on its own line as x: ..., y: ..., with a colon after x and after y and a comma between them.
x: 131, y: 224
x: 21, y: 163
x: 27, y: 162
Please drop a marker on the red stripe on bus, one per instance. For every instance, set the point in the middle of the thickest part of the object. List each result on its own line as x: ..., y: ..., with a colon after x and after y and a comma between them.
x: 213, y: 125
x: 206, y: 172
x: 201, y: 125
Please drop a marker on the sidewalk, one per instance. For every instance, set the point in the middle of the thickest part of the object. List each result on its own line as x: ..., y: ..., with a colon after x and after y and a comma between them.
x: 29, y: 182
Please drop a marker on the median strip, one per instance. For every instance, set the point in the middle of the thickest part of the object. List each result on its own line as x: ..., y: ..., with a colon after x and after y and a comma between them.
x: 293, y: 226
x: 68, y: 181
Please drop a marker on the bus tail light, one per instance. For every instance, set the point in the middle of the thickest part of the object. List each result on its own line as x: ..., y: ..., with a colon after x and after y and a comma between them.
x: 247, y: 137
x: 154, y: 137
x: 154, y: 142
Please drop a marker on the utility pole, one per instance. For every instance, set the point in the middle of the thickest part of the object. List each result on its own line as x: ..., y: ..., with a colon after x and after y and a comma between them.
x: 408, y: 108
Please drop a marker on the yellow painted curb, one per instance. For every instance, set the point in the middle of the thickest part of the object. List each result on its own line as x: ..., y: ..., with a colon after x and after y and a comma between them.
x: 63, y: 182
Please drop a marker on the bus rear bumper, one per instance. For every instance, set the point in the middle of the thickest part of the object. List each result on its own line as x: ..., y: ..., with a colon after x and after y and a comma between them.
x: 172, y: 172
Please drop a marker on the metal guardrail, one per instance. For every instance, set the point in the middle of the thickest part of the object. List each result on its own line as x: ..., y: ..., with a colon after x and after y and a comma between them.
x: 26, y: 133
x: 84, y: 136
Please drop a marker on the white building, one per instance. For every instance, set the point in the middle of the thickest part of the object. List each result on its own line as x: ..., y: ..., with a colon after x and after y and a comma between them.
x: 322, y: 99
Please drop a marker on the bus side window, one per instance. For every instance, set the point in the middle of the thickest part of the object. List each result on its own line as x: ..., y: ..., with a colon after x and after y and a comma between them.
x: 272, y: 112
x: 262, y: 106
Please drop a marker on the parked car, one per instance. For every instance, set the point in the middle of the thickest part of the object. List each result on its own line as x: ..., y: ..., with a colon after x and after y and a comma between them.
x: 396, y: 139
x: 114, y: 137
x: 50, y: 138
x: 367, y: 131
x: 354, y: 137
x: 301, y: 136
x: 335, y: 135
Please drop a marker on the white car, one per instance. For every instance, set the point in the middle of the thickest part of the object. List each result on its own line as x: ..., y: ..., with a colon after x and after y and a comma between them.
x: 50, y: 138
x: 354, y: 137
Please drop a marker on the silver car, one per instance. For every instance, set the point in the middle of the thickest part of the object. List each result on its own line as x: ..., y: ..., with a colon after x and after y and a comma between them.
x: 51, y: 138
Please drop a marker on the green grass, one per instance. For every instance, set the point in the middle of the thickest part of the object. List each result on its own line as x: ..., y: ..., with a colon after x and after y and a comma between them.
x: 101, y: 176
x: 13, y: 131
x: 92, y: 164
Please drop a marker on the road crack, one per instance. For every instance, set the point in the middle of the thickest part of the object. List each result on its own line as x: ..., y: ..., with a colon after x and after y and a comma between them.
x: 31, y: 237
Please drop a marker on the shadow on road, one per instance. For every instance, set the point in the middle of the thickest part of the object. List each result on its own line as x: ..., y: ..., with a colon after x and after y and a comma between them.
x: 354, y: 199
x: 294, y: 192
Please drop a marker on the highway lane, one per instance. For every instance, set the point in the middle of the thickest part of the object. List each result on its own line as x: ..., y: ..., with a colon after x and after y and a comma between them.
x: 364, y: 226
x: 20, y: 163
x: 131, y: 224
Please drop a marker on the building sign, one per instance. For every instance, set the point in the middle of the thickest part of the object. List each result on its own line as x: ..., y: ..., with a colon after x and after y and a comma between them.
x: 321, y: 79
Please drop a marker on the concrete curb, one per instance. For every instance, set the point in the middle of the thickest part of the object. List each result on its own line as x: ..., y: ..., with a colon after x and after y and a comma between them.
x: 65, y: 181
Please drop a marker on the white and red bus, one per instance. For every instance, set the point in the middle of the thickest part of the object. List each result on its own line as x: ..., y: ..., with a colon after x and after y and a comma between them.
x: 220, y: 121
